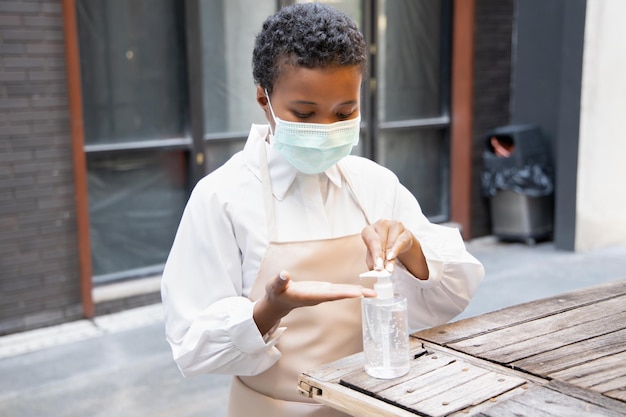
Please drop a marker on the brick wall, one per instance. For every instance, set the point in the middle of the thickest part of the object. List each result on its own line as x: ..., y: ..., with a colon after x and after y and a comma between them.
x: 39, y: 279
x: 492, y: 91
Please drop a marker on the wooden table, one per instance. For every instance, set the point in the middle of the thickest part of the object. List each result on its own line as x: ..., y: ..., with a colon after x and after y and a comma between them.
x: 559, y: 356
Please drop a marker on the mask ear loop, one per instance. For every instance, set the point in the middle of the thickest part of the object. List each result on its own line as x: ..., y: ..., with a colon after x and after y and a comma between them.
x: 269, y: 103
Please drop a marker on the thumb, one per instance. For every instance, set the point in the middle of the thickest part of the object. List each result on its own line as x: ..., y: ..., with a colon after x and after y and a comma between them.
x: 278, y: 285
x: 281, y: 282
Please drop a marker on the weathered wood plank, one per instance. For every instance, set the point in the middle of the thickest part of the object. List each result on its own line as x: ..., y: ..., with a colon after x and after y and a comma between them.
x: 353, y: 364
x: 478, y: 390
x: 615, y: 384
x: 525, y: 347
x: 441, y: 380
x: 521, y: 313
x: 541, y: 401
x: 588, y: 396
x: 567, y: 356
x: 596, y: 372
x: 353, y: 403
x: 475, y: 409
x: 492, y: 366
x: 422, y: 365
x: 530, y: 338
x: 337, y: 369
x: 618, y: 394
x: 439, y: 385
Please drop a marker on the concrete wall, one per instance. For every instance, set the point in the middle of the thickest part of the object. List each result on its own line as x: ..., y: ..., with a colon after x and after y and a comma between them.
x: 548, y: 45
x: 39, y: 281
x: 601, y: 201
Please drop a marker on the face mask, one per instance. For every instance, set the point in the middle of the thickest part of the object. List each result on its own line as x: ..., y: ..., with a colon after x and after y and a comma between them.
x: 312, y: 148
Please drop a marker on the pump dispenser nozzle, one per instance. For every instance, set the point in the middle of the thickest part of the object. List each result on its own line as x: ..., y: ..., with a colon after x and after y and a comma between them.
x: 384, y: 286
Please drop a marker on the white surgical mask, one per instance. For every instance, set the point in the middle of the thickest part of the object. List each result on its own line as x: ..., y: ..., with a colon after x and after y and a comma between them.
x: 312, y: 148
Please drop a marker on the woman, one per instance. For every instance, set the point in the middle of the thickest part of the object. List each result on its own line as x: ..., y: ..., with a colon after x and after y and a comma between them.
x: 262, y: 281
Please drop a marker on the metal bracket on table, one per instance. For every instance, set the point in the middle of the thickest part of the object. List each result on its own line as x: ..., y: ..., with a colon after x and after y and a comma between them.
x: 308, y: 390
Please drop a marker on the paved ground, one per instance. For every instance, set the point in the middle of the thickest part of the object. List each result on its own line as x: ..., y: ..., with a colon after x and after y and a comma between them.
x: 120, y: 365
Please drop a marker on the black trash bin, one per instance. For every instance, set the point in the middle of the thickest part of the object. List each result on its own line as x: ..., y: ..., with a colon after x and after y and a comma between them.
x: 518, y: 179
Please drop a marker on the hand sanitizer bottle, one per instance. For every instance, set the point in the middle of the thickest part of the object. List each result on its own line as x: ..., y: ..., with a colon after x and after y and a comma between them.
x: 385, y: 330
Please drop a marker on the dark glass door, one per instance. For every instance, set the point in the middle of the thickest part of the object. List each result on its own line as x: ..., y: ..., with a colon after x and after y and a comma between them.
x: 134, y: 87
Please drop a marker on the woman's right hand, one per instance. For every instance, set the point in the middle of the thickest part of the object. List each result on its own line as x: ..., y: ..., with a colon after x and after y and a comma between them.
x: 283, y: 295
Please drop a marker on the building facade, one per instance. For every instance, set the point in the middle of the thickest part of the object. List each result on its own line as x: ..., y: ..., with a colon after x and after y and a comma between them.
x: 111, y: 110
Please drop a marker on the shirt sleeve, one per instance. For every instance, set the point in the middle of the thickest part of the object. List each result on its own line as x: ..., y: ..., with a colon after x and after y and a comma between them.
x: 208, y: 323
x: 454, y: 274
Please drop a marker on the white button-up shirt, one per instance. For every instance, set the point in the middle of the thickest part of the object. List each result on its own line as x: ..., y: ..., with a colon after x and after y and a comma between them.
x: 222, y: 238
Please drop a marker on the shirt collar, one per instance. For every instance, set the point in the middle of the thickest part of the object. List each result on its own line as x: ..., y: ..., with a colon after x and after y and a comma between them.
x: 282, y: 173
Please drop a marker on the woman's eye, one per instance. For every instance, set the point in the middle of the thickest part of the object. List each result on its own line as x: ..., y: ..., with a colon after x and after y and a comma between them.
x: 302, y: 115
x: 344, y: 115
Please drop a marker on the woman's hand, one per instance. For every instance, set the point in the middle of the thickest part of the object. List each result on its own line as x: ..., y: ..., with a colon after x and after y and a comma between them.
x: 388, y: 240
x: 283, y: 295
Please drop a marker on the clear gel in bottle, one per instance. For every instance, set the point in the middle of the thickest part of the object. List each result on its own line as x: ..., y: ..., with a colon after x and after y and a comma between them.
x: 385, y: 330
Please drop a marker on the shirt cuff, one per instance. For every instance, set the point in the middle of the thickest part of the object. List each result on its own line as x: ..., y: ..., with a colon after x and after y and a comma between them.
x: 245, y: 334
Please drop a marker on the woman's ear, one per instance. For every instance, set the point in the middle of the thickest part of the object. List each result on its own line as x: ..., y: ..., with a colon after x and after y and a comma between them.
x: 261, y: 98
x: 263, y: 101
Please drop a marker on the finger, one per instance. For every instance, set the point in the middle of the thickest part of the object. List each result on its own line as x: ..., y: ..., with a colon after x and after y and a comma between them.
x: 315, y: 292
x: 280, y: 283
x: 382, y: 230
x: 348, y: 290
x: 375, y: 253
x: 401, y: 245
x: 335, y: 292
x: 368, y: 292
x: 394, y: 241
x: 369, y: 261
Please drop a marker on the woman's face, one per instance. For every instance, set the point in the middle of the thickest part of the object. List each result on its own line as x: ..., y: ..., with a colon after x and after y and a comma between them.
x: 314, y: 95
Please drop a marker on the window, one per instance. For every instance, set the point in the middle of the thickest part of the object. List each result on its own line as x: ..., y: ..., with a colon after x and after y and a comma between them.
x: 135, y: 112
x: 411, y: 121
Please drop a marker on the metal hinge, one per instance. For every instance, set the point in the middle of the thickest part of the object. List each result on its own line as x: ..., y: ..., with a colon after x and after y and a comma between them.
x: 308, y: 390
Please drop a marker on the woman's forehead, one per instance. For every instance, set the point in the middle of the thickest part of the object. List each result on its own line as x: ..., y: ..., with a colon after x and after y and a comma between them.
x: 301, y: 83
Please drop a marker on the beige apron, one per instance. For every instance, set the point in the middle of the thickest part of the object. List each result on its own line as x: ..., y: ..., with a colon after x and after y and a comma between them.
x: 314, y: 335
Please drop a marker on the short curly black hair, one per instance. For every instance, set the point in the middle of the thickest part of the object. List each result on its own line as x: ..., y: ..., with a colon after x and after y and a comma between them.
x: 310, y: 35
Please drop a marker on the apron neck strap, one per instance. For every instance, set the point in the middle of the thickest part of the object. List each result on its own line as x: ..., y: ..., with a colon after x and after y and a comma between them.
x: 268, y: 198
x: 356, y: 198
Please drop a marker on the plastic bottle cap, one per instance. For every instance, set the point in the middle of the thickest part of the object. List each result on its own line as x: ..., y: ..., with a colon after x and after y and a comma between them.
x: 384, y: 286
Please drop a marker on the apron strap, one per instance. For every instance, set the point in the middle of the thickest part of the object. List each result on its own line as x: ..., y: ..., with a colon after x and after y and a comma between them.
x: 268, y: 198
x: 353, y: 194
